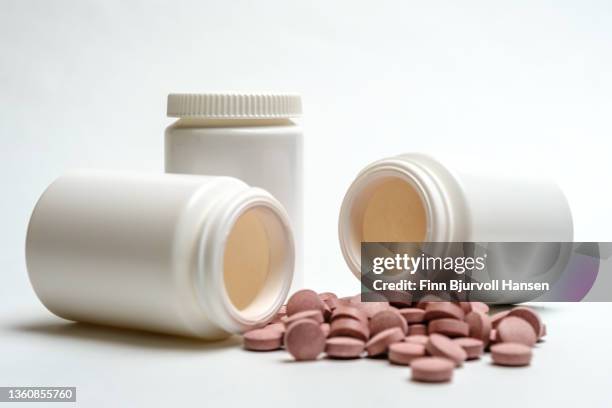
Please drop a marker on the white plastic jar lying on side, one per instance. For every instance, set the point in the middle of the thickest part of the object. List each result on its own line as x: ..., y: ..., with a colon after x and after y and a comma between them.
x: 247, y: 136
x: 415, y: 198
x: 188, y: 255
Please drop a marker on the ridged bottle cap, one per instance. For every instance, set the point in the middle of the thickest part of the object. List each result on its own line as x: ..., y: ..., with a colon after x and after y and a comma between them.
x: 234, y: 106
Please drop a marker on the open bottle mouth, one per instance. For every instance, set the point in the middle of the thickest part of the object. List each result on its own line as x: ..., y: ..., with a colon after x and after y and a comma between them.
x: 246, y: 261
x: 383, y: 206
x: 255, y: 261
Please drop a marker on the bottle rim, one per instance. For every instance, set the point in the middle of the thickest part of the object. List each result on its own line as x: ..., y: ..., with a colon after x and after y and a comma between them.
x: 209, y: 277
x: 422, y: 173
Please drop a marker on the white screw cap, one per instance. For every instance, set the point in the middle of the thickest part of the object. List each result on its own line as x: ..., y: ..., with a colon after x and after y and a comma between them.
x: 234, y: 105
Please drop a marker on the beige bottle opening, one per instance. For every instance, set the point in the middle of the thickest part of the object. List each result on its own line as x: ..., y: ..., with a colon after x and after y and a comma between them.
x: 393, y: 212
x: 253, y: 261
x: 383, y: 207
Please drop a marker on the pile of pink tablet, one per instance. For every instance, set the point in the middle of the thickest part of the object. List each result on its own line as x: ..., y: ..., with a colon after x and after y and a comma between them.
x: 433, y: 338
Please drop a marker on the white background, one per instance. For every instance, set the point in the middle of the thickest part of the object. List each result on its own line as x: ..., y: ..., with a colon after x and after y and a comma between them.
x: 84, y: 84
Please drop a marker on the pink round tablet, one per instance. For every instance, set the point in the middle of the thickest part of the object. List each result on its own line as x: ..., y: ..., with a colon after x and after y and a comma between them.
x: 530, y: 316
x: 418, y: 328
x: 344, y: 347
x: 403, y: 353
x: 386, y: 319
x: 440, y: 310
x: 449, y: 327
x: 347, y: 327
x: 276, y: 326
x: 315, y: 315
x: 479, y: 326
x: 351, y: 312
x: 330, y: 299
x: 442, y: 346
x: 432, y: 369
x: 263, y: 339
x: 417, y: 339
x: 511, y: 354
x: 498, y: 317
x: 304, y: 299
x: 304, y: 340
x: 379, y: 344
x: 474, y: 348
x: 412, y: 315
x: 513, y: 329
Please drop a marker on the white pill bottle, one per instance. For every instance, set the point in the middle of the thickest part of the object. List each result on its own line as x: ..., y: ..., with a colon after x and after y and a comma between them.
x: 187, y: 255
x: 248, y: 136
x: 418, y: 198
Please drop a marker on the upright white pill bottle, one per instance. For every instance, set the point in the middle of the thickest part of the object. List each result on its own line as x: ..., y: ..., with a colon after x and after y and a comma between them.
x: 180, y: 254
x: 248, y: 136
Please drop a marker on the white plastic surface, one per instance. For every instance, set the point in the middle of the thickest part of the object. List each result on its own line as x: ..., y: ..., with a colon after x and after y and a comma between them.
x: 126, y: 249
x: 465, y: 201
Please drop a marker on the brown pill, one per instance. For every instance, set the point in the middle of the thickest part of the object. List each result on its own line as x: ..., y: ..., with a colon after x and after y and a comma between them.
x: 386, y: 319
x: 379, y: 344
x: 530, y: 316
x: 474, y: 348
x: 263, y: 339
x: 351, y: 312
x: 432, y: 369
x: 348, y: 327
x: 513, y: 329
x: 326, y: 329
x: 498, y: 317
x: 417, y: 339
x: 412, y: 315
x: 449, y: 327
x: 441, y: 310
x: 442, y: 346
x: 304, y: 299
x: 418, y: 328
x: 344, y: 347
x: 315, y: 315
x: 304, y: 340
x: 511, y: 354
x: 479, y: 325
